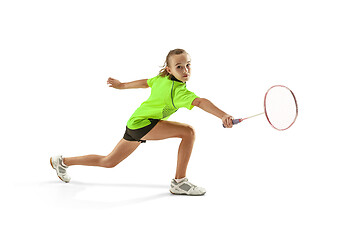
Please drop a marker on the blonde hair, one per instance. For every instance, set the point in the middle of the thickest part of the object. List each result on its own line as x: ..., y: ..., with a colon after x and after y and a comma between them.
x: 163, y: 72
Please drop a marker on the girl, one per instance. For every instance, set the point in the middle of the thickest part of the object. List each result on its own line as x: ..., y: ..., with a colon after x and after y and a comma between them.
x: 168, y: 94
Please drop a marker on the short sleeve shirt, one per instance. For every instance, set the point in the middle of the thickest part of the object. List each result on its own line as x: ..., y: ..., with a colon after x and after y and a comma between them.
x: 167, y: 96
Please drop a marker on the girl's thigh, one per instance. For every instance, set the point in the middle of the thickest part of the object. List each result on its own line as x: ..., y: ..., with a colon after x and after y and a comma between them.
x: 169, y: 129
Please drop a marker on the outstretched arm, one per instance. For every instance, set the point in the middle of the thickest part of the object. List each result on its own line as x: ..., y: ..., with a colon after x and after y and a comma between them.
x: 134, y: 84
x: 209, y: 107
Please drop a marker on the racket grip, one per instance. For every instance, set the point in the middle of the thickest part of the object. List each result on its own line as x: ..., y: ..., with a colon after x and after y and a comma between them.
x: 235, y: 121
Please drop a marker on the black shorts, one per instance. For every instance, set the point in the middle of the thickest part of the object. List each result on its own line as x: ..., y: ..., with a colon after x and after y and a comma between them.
x: 137, y: 134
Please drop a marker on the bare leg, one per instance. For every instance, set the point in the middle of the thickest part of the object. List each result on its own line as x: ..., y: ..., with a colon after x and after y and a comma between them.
x: 169, y: 129
x: 87, y: 160
x: 184, y: 153
x: 122, y: 150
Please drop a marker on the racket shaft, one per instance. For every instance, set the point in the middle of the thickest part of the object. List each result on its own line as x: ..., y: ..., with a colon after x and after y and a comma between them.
x: 253, y: 116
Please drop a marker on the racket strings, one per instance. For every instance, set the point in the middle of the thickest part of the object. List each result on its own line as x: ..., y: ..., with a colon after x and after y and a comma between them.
x: 280, y: 107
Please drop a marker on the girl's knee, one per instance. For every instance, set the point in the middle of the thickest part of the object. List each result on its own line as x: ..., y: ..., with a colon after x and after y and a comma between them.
x: 188, y: 132
x: 109, y: 162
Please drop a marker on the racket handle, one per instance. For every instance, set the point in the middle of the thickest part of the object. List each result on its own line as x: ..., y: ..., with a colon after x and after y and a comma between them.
x: 235, y: 121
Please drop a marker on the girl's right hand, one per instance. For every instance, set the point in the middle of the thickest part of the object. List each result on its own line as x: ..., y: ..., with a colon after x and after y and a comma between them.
x: 114, y: 83
x: 227, y: 121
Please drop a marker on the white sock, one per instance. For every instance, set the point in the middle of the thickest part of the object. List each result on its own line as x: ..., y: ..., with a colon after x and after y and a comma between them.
x: 62, y: 162
x: 179, y: 180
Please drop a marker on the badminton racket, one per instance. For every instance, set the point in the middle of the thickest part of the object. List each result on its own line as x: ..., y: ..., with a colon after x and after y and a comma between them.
x: 280, y: 108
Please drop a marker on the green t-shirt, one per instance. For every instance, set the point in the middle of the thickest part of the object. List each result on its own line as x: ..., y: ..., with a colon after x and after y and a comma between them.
x: 167, y: 96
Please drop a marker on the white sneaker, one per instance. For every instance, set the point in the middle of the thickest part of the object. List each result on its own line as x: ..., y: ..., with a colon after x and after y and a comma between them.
x: 57, y: 164
x: 186, y: 188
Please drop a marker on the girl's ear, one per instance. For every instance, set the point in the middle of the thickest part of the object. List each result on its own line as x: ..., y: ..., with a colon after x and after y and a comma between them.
x: 168, y: 69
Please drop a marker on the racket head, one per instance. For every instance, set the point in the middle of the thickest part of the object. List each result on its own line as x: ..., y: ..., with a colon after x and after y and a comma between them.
x: 280, y: 107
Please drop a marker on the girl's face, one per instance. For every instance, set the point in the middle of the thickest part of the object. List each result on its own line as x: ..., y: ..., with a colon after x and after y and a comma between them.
x: 180, y: 66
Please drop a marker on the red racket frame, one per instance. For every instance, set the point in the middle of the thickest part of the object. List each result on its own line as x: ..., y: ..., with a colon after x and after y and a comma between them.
x: 266, y: 111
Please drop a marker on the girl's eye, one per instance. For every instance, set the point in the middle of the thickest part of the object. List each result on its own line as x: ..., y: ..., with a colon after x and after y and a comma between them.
x: 179, y: 67
x: 188, y: 65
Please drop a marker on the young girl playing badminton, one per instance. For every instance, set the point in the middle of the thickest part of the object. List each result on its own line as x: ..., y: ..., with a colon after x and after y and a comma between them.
x: 149, y: 122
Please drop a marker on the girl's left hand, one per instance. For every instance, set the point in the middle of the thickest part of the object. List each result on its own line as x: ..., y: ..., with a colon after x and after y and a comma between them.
x: 227, y: 120
x: 114, y: 83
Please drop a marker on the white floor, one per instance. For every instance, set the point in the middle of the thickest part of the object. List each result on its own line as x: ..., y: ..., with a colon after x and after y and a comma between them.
x: 276, y: 191
x: 302, y: 183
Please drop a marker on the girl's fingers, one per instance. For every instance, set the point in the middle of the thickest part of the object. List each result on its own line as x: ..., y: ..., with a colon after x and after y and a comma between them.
x: 230, y: 122
x: 227, y: 124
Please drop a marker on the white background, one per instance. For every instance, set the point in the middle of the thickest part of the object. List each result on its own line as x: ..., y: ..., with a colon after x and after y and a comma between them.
x: 303, y: 183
